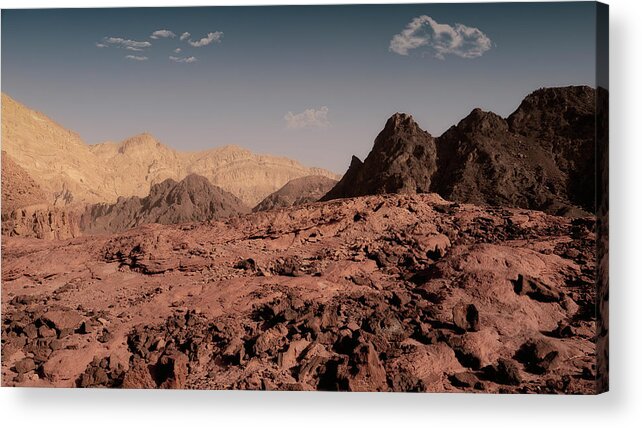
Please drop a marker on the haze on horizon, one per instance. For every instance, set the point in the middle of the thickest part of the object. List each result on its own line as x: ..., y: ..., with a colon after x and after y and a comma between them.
x: 313, y: 83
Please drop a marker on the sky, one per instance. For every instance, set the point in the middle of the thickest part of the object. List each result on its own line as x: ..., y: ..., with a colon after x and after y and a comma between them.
x: 313, y: 83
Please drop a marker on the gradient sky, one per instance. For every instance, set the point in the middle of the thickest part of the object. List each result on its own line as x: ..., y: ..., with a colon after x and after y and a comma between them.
x: 275, y: 60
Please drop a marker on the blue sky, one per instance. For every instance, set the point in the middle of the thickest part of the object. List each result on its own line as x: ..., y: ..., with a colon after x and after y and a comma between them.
x: 314, y: 83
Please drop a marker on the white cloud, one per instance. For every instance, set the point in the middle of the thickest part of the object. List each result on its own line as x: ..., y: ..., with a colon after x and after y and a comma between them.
x: 188, y: 59
x: 137, y: 58
x: 210, y: 38
x: 131, y: 48
x: 177, y: 50
x: 184, y: 36
x: 440, y: 39
x: 158, y: 34
x: 101, y: 45
x: 310, y: 118
x: 125, y: 43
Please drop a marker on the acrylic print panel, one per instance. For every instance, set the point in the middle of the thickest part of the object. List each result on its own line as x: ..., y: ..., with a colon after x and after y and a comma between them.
x: 302, y: 198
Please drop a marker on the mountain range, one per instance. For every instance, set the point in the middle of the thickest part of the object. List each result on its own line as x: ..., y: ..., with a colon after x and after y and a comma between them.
x: 541, y: 157
x: 72, y: 173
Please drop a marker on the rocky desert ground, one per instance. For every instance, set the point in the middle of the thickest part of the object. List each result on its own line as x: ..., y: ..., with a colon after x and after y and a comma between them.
x: 380, y: 293
x: 468, y: 262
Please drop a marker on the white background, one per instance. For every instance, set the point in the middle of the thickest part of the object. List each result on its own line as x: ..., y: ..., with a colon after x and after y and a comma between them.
x: 620, y: 407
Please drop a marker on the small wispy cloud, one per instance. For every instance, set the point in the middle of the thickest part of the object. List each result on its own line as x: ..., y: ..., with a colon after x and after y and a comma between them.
x: 162, y: 34
x: 101, y: 45
x: 440, y: 39
x: 177, y: 50
x: 210, y: 38
x: 136, y: 58
x: 309, y: 118
x: 124, y: 43
x: 131, y: 48
x: 184, y: 36
x: 188, y: 59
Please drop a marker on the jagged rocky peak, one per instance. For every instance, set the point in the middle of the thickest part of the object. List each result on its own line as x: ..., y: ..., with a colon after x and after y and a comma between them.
x: 400, y: 121
x: 162, y: 187
x: 482, y: 121
x: 397, y: 126
x: 402, y: 160
x: 541, y: 157
x: 554, y: 110
x: 355, y: 162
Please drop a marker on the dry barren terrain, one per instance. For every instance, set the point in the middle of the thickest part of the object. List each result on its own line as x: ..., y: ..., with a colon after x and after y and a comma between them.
x: 376, y: 293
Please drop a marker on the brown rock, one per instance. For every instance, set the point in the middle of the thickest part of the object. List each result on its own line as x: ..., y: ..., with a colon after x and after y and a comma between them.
x: 45, y: 331
x: 25, y: 365
x: 536, y: 289
x: 288, y: 359
x: 365, y: 372
x: 466, y: 316
x: 63, y: 320
x: 539, y: 355
x: 138, y: 377
x: 464, y: 379
x: 507, y: 372
x: 171, y: 371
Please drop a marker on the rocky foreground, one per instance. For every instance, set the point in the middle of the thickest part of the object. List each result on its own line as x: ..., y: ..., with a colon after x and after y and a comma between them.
x: 379, y: 293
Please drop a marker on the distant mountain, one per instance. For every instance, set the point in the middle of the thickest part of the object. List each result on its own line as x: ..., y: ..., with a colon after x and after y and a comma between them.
x: 25, y: 211
x: 18, y: 188
x: 299, y: 191
x: 249, y: 176
x: 192, y: 199
x: 71, y: 172
x: 53, y: 156
x: 541, y: 157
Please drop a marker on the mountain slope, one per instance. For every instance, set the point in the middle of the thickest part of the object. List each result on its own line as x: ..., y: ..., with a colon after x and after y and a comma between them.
x: 53, y: 156
x: 25, y: 212
x: 18, y: 188
x: 563, y: 122
x: 299, y: 191
x: 73, y: 173
x: 192, y: 199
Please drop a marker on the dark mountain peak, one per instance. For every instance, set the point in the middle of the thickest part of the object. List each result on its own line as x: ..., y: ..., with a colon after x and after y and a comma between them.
x: 401, y: 124
x: 169, y: 202
x: 355, y: 162
x: 162, y: 187
x: 549, y: 111
x: 479, y: 120
x: 400, y: 129
x: 541, y: 157
x: 561, y: 94
x: 194, y: 180
x: 400, y: 121
x: 402, y: 160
